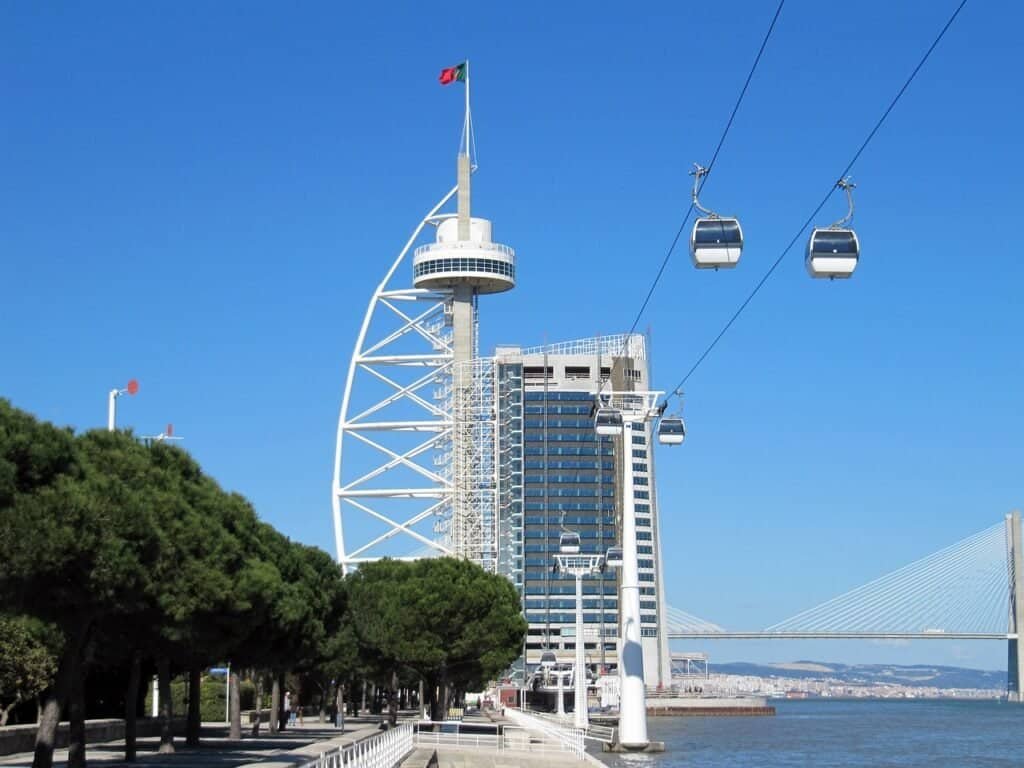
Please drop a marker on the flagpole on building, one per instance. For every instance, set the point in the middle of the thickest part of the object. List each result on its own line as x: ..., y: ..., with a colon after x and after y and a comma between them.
x: 468, y: 119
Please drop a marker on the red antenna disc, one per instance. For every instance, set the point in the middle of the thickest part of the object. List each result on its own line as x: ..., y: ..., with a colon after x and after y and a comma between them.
x: 133, y: 387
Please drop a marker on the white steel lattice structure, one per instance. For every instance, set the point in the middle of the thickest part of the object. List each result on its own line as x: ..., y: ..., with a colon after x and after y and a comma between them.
x: 410, y: 352
x: 471, y: 472
x: 415, y: 471
x: 427, y: 414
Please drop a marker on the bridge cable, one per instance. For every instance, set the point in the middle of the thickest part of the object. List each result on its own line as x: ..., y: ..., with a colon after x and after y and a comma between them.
x: 821, y: 205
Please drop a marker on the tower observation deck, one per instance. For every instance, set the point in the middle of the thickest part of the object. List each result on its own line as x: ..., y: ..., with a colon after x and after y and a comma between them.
x: 483, y: 265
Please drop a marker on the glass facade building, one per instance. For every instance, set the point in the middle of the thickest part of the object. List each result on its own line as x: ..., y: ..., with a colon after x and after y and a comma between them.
x: 557, y: 475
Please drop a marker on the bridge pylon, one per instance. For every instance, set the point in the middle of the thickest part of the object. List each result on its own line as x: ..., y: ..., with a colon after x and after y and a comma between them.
x: 1015, y: 567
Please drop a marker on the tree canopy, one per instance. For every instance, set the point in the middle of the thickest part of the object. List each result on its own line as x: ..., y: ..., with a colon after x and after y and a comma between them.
x: 144, y: 559
x: 448, y: 619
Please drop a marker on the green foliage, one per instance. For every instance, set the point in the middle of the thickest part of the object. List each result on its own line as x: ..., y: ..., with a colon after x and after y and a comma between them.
x: 27, y: 664
x: 211, y: 697
x: 448, y: 619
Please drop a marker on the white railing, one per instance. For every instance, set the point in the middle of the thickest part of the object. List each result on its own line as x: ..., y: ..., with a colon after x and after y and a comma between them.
x: 506, y: 251
x: 617, y: 344
x: 602, y: 733
x: 570, y: 738
x: 385, y: 750
x: 500, y: 738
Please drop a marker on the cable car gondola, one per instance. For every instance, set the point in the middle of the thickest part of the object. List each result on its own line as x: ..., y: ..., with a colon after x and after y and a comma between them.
x: 833, y: 251
x: 613, y: 558
x: 671, y: 430
x: 716, y: 241
x: 569, y: 543
x: 608, y: 421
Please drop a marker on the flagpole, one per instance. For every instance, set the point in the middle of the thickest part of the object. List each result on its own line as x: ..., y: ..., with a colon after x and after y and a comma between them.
x: 467, y: 108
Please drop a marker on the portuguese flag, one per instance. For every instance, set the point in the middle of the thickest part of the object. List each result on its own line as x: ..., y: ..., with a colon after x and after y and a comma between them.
x: 453, y: 74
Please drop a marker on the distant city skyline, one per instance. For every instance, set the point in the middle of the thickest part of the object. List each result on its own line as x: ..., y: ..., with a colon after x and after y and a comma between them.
x: 204, y: 198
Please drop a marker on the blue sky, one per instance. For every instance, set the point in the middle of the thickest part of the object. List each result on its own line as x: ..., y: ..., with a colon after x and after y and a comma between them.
x: 204, y: 197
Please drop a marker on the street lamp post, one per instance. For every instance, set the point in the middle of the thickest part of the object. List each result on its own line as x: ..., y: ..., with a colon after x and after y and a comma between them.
x: 636, y: 407
x: 579, y: 566
x: 112, y: 395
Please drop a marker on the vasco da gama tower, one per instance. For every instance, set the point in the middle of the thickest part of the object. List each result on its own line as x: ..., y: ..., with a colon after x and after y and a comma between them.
x: 442, y: 452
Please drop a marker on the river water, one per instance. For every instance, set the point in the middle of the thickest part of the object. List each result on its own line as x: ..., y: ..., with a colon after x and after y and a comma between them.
x: 840, y: 734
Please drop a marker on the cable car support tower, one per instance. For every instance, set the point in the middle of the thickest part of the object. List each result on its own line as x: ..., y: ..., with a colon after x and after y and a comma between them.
x: 414, y: 473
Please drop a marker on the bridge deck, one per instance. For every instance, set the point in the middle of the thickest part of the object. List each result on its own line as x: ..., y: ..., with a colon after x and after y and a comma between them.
x: 696, y: 635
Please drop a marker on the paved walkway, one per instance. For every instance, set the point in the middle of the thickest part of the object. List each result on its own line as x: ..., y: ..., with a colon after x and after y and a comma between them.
x: 489, y: 757
x: 297, y: 745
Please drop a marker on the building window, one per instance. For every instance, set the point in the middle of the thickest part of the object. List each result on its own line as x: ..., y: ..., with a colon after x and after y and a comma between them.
x: 537, y: 372
x: 638, y: 454
x: 577, y: 372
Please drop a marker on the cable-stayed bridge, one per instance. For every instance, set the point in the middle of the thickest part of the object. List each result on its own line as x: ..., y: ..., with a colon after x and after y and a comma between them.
x: 971, y: 590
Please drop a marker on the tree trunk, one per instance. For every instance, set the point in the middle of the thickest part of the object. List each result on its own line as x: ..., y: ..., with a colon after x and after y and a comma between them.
x: 282, y: 715
x: 6, y: 711
x: 276, y: 705
x: 393, y: 700
x: 166, y: 707
x: 339, y: 702
x: 131, y: 708
x: 259, y: 705
x: 235, y: 705
x: 76, y: 718
x: 432, y: 688
x: 194, y: 723
x: 53, y: 701
x: 442, y: 696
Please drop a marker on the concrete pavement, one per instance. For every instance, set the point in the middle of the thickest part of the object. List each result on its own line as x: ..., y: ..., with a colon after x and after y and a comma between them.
x: 297, y: 745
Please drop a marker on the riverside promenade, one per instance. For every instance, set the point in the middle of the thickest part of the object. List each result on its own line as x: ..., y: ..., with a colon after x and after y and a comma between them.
x: 297, y: 745
x: 302, y: 744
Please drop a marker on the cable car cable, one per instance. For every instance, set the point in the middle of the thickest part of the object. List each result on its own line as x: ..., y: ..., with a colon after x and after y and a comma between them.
x: 711, y: 165
x: 824, y: 200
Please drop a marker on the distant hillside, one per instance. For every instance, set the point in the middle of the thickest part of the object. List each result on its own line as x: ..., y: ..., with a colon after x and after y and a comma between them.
x: 918, y: 674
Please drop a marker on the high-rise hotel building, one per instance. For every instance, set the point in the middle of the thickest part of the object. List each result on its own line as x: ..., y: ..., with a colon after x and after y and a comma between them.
x: 555, y: 474
x: 441, y: 452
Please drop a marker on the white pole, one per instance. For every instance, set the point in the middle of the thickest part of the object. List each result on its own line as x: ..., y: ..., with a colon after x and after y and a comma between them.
x: 156, y: 697
x: 560, y: 705
x: 632, y: 694
x: 468, y: 121
x: 580, y: 707
x: 112, y: 409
